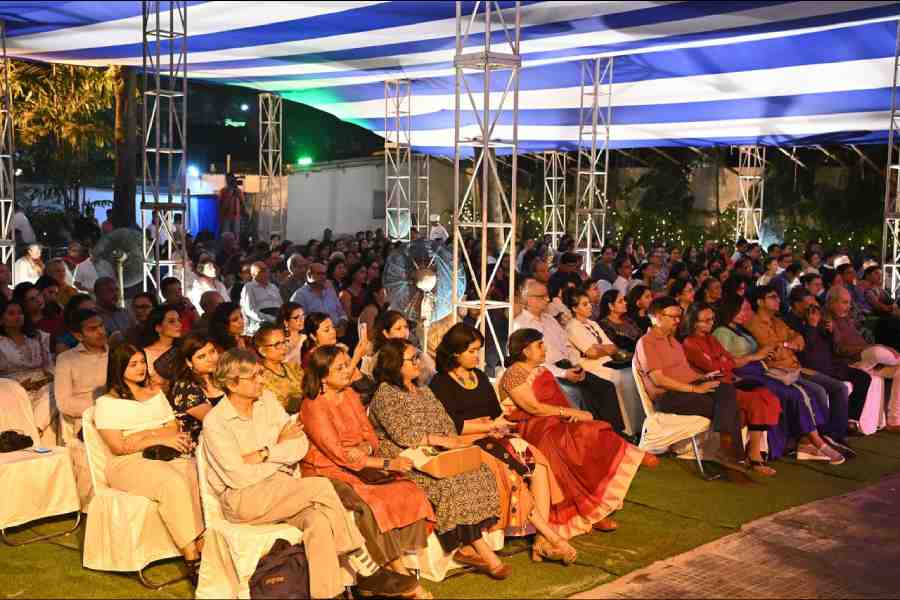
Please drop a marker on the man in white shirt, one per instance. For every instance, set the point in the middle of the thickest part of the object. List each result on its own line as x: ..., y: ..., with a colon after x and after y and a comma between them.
x: 437, y: 232
x: 624, y: 269
x: 22, y: 226
x: 30, y: 267
x: 260, y: 299
x: 86, y: 275
x: 520, y: 258
x: 586, y: 390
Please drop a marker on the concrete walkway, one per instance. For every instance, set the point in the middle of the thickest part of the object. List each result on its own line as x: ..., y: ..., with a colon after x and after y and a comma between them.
x: 842, y: 547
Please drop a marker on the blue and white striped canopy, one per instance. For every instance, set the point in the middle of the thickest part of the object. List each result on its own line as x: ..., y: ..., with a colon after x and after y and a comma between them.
x: 693, y: 73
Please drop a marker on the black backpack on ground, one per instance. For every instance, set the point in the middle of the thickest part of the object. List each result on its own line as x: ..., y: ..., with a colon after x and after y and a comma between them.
x: 282, y: 573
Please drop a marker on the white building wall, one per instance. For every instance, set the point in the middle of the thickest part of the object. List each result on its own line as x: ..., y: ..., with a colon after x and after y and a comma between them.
x: 341, y: 197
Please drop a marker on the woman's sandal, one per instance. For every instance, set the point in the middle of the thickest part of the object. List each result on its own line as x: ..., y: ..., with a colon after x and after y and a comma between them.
x: 650, y: 461
x: 543, y: 548
x: 761, y: 468
x: 606, y: 525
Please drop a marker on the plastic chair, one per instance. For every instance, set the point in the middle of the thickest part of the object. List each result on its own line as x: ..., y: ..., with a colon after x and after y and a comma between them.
x: 662, y: 430
x: 124, y: 531
x: 231, y: 550
x: 36, y: 486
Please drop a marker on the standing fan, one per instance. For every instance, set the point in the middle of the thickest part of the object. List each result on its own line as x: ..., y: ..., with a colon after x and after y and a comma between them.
x: 418, y: 278
x: 118, y: 254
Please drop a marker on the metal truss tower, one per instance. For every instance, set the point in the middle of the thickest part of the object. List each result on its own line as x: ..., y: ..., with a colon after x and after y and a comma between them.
x: 398, y: 159
x: 422, y: 202
x: 555, y: 196
x: 164, y: 191
x: 7, y: 162
x: 751, y: 192
x: 890, y: 250
x: 594, y: 122
x: 493, y: 62
x: 272, y: 201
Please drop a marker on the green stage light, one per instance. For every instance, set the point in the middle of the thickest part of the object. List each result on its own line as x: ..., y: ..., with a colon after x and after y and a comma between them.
x: 305, y: 161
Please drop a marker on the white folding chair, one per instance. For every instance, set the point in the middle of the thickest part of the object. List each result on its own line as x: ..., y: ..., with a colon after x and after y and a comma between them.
x: 231, y: 551
x: 662, y: 430
x: 35, y: 486
x: 124, y: 531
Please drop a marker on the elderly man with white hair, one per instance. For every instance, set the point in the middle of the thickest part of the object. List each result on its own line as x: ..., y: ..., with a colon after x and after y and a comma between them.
x: 876, y: 359
x: 260, y: 299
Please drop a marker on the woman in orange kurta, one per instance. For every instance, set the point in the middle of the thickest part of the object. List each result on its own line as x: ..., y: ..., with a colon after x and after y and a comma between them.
x: 343, y: 447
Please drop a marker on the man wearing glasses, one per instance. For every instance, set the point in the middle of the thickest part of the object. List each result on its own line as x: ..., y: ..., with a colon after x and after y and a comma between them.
x: 586, y: 390
x: 676, y: 388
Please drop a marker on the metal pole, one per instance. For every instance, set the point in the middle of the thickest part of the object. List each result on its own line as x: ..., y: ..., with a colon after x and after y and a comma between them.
x: 7, y: 163
x: 272, y: 206
x: 486, y: 64
x: 164, y: 153
x: 751, y: 191
x: 890, y: 250
x: 423, y: 194
x: 398, y: 159
x: 555, y: 196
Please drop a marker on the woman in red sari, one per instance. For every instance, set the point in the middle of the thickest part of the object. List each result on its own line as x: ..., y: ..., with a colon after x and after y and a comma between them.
x: 760, y: 407
x: 395, y: 517
x: 593, y: 465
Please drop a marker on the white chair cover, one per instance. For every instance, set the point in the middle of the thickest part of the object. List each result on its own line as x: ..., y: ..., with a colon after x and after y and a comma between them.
x: 124, y: 531
x: 433, y: 563
x: 34, y: 486
x: 231, y: 551
x: 663, y: 430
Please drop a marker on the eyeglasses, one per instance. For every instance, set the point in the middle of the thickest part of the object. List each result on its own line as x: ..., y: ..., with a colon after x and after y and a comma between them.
x: 541, y: 296
x: 772, y: 296
x: 252, y: 377
x: 414, y: 358
x: 272, y: 345
x: 675, y: 316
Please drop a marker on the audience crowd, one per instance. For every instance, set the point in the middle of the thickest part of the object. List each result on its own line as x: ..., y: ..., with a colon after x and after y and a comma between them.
x: 310, y: 395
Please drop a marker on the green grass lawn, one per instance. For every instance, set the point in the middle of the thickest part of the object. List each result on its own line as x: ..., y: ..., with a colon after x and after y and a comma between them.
x: 669, y: 510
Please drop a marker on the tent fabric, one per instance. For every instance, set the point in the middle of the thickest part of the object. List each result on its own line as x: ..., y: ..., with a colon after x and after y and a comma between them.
x: 695, y: 73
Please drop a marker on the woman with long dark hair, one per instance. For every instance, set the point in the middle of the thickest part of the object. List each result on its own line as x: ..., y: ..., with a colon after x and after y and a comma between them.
x: 375, y: 303
x: 226, y: 328
x: 615, y: 322
x: 159, y: 341
x: 405, y: 415
x: 291, y: 319
x: 525, y: 482
x: 638, y: 301
x: 134, y: 417
x: 194, y: 392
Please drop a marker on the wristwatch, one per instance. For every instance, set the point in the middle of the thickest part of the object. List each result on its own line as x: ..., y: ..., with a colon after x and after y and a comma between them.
x: 265, y: 453
x: 386, y: 464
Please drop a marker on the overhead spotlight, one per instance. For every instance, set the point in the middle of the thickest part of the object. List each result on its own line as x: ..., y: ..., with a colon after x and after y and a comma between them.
x: 305, y: 161
x: 245, y: 107
x: 18, y: 172
x: 193, y: 171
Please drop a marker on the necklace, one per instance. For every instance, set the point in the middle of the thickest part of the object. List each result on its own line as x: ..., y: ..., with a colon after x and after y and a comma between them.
x: 469, y: 382
x: 283, y: 373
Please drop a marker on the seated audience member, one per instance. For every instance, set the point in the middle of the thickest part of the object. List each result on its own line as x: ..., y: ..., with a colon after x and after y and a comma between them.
x: 30, y: 298
x: 319, y: 295
x: 405, y: 415
x: 557, y: 307
x: 5, y: 282
x: 30, y: 267
x: 297, y: 266
x: 593, y: 466
x: 159, y: 342
x: 336, y: 272
x: 281, y: 377
x: 65, y: 339
x: 812, y: 283
x: 392, y: 325
x: 797, y: 422
x: 80, y: 374
x: 320, y: 331
x: 133, y: 417
x: 393, y: 514
x: 670, y: 381
x: 114, y: 318
x: 374, y: 305
x: 25, y: 357
x: 818, y: 356
x: 710, y: 292
x: 194, y: 392
x: 624, y: 267
x: 597, y: 349
x: 208, y: 303
x: 352, y: 294
x: 760, y: 407
x: 526, y: 484
x: 51, y: 320
x: 785, y: 281
x: 206, y: 280
x: 827, y: 395
x: 615, y: 322
x: 291, y: 319
x: 540, y: 270
x: 588, y: 391
x: 75, y: 256
x: 260, y: 299
x: 226, y: 328
x: 683, y: 292
x: 253, y: 448
x: 799, y: 301
x: 851, y: 347
x: 604, y: 269
x: 56, y: 269
x: 770, y: 270
x: 637, y: 301
x: 141, y: 305
x: 173, y: 296
x: 878, y: 303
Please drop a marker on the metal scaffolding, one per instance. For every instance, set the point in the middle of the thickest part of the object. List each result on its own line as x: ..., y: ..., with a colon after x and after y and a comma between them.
x: 422, y: 202
x: 555, y: 196
x: 272, y: 203
x: 890, y: 250
x: 7, y: 162
x: 751, y: 191
x: 471, y: 216
x: 397, y: 159
x: 594, y: 122
x: 164, y: 188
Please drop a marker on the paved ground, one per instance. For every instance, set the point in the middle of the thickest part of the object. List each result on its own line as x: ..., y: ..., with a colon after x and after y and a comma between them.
x: 842, y: 547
